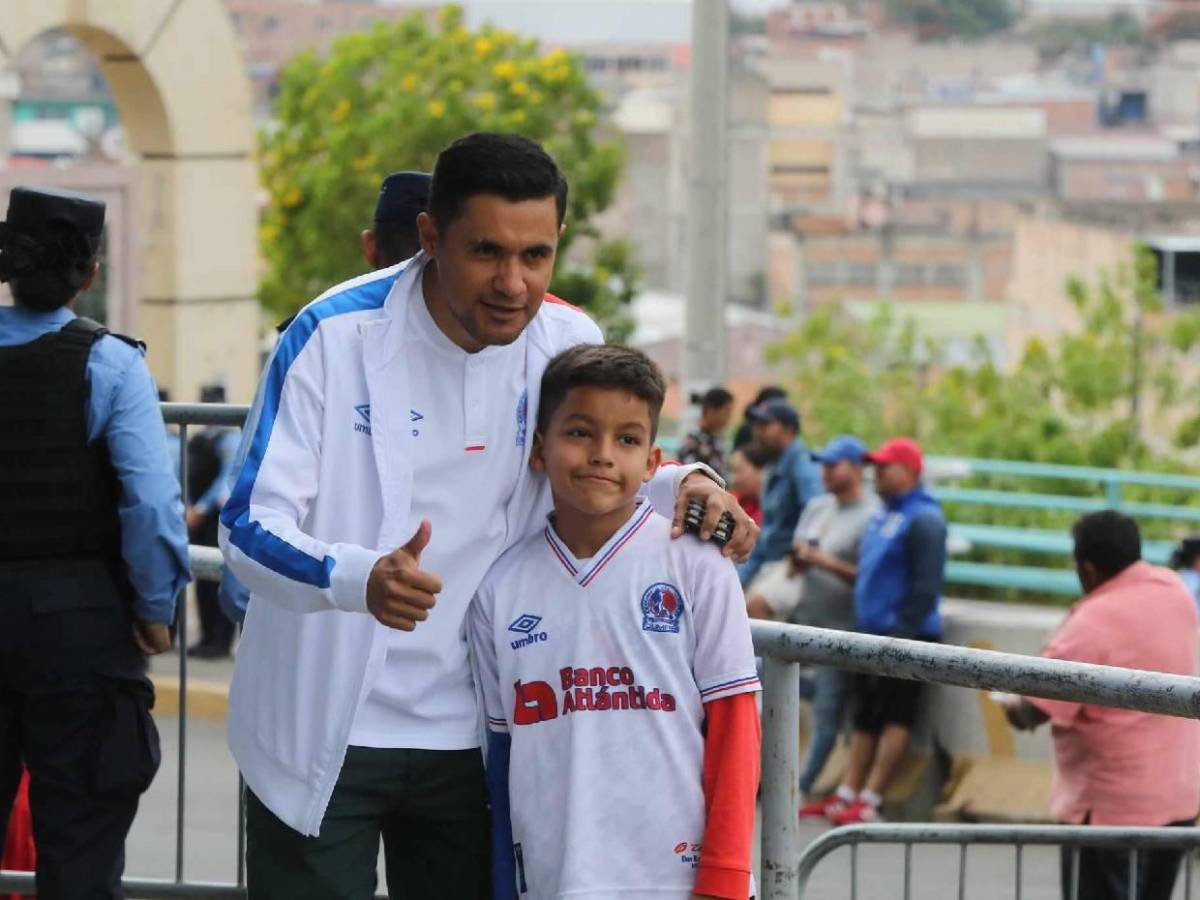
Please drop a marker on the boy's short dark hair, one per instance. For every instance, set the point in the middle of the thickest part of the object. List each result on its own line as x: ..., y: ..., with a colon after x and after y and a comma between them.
x: 1107, y: 539
x: 507, y: 165
x: 602, y: 366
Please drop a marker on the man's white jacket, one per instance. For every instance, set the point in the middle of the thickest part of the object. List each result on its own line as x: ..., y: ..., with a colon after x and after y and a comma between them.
x: 315, y: 505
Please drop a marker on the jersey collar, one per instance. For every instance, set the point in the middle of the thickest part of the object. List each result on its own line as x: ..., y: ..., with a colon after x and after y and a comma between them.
x: 584, y: 573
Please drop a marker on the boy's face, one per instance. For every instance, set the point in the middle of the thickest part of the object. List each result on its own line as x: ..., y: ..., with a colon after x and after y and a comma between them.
x: 597, y: 450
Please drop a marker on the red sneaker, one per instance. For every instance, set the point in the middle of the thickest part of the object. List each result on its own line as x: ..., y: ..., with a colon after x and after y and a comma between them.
x: 855, y: 813
x: 822, y: 809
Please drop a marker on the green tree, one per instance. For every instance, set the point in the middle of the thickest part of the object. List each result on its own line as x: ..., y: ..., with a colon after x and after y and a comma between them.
x: 390, y: 98
x: 969, y: 19
x: 1107, y: 393
x: 1054, y: 37
x: 1117, y: 391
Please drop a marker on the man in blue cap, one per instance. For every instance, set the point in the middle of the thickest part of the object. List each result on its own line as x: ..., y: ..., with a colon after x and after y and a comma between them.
x: 402, y: 197
x: 790, y: 483
x: 825, y: 557
x: 92, y: 551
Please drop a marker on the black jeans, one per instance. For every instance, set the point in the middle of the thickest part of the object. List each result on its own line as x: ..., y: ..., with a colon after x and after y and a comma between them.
x: 428, y: 807
x: 75, y: 710
x: 1104, y: 874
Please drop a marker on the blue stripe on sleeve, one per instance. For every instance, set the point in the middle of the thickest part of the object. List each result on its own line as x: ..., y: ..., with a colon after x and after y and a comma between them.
x: 248, y: 536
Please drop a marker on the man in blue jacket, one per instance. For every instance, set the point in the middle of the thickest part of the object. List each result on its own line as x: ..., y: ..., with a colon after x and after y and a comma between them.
x: 900, y: 572
x: 792, y: 480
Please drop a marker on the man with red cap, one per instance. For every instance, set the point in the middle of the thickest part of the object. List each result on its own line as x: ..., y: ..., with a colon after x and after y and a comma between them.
x: 899, y: 585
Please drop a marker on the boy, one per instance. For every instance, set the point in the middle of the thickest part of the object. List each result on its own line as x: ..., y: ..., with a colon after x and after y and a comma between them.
x: 616, y: 667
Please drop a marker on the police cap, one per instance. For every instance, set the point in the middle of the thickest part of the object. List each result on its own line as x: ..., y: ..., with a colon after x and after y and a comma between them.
x: 48, y: 229
x: 402, y: 196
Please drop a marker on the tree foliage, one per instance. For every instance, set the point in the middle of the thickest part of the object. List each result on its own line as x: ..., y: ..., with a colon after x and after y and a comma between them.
x: 391, y: 98
x: 1118, y: 391
x: 969, y: 19
x: 1054, y: 37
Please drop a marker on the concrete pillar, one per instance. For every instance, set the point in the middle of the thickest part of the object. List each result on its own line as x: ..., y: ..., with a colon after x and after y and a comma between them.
x: 708, y: 207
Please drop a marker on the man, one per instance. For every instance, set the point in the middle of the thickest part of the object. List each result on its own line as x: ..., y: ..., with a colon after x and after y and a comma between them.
x: 402, y: 197
x: 825, y: 556
x: 92, y: 551
x: 1119, y: 766
x: 792, y: 481
x: 386, y: 469
x: 211, y: 453
x: 897, y: 592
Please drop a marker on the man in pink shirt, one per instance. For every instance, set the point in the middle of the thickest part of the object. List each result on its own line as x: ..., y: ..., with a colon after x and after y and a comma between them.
x: 1117, y: 766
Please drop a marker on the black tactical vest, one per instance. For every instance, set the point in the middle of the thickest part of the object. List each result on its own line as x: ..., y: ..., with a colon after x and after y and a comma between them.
x: 58, y: 495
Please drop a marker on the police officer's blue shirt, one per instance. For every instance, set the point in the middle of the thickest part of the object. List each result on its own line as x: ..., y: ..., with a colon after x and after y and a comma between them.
x: 790, y: 483
x: 123, y: 411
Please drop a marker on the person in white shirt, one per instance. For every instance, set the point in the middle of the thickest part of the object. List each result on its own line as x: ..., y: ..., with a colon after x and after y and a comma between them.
x: 385, y: 469
x: 616, y: 667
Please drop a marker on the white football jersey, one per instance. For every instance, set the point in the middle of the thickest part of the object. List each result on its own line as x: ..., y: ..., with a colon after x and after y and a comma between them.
x: 599, y: 670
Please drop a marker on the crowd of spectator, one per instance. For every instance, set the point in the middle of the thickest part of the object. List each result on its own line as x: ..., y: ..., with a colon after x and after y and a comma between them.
x: 835, y: 555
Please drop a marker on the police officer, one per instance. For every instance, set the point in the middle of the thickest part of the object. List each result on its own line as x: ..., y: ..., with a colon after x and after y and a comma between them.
x: 92, y: 551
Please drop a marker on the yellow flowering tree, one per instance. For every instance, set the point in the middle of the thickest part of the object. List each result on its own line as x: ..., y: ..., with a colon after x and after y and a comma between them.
x: 390, y: 98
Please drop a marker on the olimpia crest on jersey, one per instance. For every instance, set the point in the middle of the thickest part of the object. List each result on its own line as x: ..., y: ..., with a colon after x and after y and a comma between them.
x: 662, y: 605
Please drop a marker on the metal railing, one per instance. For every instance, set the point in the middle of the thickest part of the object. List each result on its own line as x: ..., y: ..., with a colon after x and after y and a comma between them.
x: 784, y: 648
x: 1018, y: 837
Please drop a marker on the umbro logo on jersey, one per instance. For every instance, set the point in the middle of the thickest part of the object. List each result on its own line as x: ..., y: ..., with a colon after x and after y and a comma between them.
x: 414, y: 417
x: 524, y: 624
x: 363, y: 427
x: 662, y: 607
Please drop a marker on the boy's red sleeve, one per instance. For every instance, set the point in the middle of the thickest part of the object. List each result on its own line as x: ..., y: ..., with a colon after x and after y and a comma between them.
x: 731, y: 767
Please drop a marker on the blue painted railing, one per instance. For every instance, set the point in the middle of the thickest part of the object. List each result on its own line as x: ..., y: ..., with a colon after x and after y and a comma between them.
x: 1060, y: 578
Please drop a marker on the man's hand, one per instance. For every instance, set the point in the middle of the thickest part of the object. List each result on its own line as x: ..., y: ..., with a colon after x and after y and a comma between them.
x: 399, y: 594
x: 151, y: 637
x: 717, y: 502
x: 1021, y: 714
x: 194, y: 518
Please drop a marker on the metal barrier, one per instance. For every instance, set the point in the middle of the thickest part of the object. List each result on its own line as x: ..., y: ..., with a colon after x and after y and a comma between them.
x: 1018, y: 837
x: 784, y: 648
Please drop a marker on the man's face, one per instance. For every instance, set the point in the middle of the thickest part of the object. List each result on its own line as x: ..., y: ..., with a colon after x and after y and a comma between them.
x: 494, y: 263
x: 597, y: 450
x: 773, y: 436
x: 744, y: 478
x: 838, y: 476
x: 893, y: 480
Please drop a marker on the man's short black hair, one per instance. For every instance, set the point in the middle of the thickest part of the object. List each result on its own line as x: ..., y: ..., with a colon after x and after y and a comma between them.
x: 713, y: 398
x: 506, y: 165
x: 395, y: 242
x: 756, y: 454
x: 602, y: 366
x: 1107, y: 539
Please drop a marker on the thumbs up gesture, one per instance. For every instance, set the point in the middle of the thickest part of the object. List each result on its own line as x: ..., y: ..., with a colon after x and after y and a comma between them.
x: 399, y: 593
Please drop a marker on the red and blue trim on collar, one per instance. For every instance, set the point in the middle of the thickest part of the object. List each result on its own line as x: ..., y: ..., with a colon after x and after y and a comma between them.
x: 585, y: 577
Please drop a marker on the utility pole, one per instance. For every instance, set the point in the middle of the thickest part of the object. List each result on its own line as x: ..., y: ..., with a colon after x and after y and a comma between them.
x: 704, y: 362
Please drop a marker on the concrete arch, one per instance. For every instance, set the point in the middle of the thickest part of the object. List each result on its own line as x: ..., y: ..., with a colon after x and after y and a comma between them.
x: 180, y: 87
